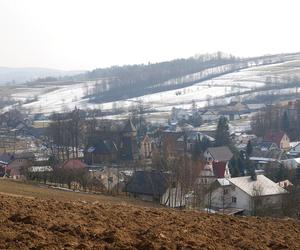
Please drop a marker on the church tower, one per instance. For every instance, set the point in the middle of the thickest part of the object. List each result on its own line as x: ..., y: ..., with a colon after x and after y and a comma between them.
x: 129, y: 148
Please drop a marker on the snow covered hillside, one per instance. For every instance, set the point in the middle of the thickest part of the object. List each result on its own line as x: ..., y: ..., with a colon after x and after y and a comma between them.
x: 243, y: 84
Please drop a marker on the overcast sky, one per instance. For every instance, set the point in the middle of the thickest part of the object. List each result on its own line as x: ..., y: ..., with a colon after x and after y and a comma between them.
x: 86, y: 34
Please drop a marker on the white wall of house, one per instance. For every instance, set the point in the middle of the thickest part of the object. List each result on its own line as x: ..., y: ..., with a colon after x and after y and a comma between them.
x: 240, y: 199
x: 285, y: 142
x: 291, y: 163
x: 221, y: 197
x: 237, y: 198
x: 295, y: 150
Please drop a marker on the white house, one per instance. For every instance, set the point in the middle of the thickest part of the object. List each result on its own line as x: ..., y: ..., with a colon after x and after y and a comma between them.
x: 294, y: 148
x: 292, y: 163
x: 247, y: 194
x: 209, y: 115
x: 221, y: 196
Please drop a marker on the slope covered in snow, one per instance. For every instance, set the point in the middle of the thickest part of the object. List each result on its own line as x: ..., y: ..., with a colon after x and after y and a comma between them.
x: 244, y: 83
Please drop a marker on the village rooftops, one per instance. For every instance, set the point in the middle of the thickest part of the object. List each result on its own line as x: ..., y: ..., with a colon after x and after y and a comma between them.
x: 266, y: 145
x: 222, y: 153
x: 262, y: 186
x: 274, y: 154
x: 195, y: 135
x: 74, y: 164
x: 223, y: 182
x: 275, y: 137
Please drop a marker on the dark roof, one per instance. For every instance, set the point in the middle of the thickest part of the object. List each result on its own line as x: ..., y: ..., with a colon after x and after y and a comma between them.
x: 6, y: 158
x: 229, y: 112
x: 73, y: 164
x: 276, y: 154
x: 222, y: 153
x: 265, y: 145
x: 148, y: 183
x: 129, y: 127
x: 103, y: 147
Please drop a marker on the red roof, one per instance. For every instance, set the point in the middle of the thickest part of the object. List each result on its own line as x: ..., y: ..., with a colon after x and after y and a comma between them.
x: 275, y: 137
x: 74, y: 164
x: 219, y: 169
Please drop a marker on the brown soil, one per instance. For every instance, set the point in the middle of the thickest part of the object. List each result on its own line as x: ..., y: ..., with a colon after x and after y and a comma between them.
x: 36, y: 223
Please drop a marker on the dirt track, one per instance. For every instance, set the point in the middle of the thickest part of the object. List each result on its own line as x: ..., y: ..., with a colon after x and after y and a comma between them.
x: 51, y: 224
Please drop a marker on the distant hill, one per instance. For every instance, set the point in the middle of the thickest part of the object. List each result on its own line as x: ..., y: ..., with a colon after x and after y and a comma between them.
x: 129, y: 81
x: 21, y: 75
x: 205, y: 80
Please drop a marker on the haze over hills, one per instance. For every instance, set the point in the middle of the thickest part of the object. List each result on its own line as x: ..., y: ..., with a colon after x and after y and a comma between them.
x: 21, y: 75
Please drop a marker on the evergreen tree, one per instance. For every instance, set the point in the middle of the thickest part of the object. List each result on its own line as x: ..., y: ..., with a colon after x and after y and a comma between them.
x: 285, y: 124
x: 282, y: 173
x: 234, y: 166
x: 249, y: 148
x: 222, y: 133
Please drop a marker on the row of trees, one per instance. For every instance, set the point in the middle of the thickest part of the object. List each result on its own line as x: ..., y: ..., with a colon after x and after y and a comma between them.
x: 276, y: 118
x: 77, y: 179
x: 65, y: 135
x: 134, y: 80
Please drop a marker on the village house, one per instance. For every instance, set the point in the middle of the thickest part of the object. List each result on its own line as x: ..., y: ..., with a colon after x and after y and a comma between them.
x: 189, y: 140
x: 217, y: 159
x: 178, y: 114
x: 279, y: 138
x: 73, y: 164
x: 111, y: 178
x: 19, y: 164
x: 263, y: 157
x: 231, y: 115
x: 218, y: 154
x: 241, y: 139
x: 102, y: 151
x: 247, y: 194
x: 292, y: 163
x: 109, y: 146
x: 254, y: 107
x: 155, y: 186
x: 264, y: 145
x: 209, y: 115
x: 294, y: 149
x: 266, y: 152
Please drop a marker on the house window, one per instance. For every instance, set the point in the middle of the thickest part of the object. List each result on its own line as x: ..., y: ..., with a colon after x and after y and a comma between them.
x: 233, y: 199
x: 225, y: 191
x: 233, y: 188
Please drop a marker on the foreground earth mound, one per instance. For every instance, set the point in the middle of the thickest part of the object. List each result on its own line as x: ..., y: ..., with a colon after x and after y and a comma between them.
x: 50, y: 224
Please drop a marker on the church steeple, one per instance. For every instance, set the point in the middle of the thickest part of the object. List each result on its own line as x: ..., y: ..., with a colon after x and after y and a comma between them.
x: 129, y: 142
x: 129, y: 128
